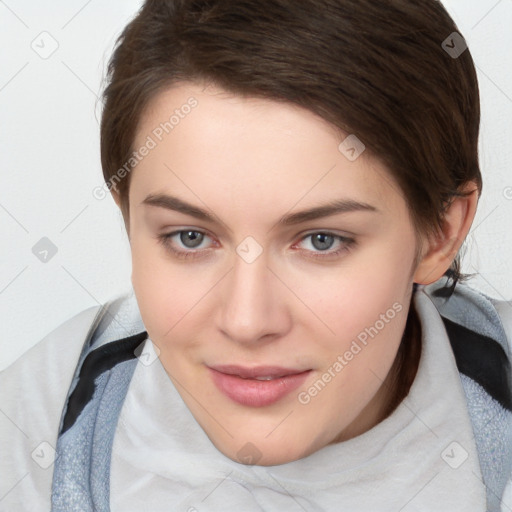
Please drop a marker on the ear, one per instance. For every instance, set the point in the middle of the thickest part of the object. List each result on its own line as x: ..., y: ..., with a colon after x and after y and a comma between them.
x: 440, y: 251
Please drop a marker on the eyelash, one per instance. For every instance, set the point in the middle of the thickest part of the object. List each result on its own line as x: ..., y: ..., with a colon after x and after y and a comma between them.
x: 348, y: 243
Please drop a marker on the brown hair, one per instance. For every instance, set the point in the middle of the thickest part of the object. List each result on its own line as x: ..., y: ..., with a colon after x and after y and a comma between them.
x: 376, y: 69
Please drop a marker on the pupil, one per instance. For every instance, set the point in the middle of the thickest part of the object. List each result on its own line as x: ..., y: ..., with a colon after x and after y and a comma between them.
x: 324, y: 241
x: 191, y: 238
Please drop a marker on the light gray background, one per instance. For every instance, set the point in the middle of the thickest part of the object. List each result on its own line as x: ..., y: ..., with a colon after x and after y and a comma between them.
x: 49, y: 133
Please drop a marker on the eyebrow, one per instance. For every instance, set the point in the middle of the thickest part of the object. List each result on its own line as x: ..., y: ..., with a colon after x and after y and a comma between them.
x: 332, y: 208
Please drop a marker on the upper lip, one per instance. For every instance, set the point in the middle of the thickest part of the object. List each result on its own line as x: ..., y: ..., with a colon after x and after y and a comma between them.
x: 256, y: 371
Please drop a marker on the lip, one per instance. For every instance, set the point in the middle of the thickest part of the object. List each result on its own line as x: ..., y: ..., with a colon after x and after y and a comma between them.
x: 240, y: 384
x: 256, y: 371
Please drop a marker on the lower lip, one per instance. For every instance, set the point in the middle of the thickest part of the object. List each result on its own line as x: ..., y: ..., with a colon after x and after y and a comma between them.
x: 257, y: 393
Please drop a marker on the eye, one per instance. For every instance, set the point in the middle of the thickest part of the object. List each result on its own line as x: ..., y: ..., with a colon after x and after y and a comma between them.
x: 186, y: 244
x: 322, y: 241
x: 182, y: 243
x: 191, y: 239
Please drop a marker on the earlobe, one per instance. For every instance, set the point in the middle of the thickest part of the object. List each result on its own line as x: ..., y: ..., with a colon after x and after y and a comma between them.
x: 437, y: 260
x: 442, y: 249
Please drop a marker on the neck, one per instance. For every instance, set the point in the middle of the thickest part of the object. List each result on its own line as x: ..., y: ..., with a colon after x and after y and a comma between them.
x: 395, y: 386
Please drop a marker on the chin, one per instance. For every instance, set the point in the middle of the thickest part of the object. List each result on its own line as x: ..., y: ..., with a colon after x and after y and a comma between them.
x: 256, y: 453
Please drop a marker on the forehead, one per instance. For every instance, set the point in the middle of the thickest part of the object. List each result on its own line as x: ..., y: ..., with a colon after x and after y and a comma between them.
x: 251, y: 152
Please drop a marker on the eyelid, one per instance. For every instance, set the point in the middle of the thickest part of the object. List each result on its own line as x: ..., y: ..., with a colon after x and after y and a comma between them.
x: 347, y: 242
x: 327, y: 231
x: 165, y: 240
x: 172, y: 234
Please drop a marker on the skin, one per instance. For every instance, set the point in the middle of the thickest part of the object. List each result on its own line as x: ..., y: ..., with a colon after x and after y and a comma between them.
x: 249, y: 162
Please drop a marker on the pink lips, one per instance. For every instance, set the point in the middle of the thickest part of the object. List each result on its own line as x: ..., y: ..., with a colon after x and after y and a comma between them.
x: 240, y: 384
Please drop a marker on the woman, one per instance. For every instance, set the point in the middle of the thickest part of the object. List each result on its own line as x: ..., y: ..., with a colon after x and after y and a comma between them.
x: 296, y: 180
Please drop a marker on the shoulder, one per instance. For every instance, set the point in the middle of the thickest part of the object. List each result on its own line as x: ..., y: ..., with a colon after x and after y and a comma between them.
x: 504, y: 310
x: 479, y: 328
x: 33, y: 391
x: 476, y: 314
x: 51, y: 361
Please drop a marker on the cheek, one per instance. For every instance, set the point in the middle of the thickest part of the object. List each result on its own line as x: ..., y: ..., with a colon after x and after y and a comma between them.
x: 353, y: 297
x: 342, y: 301
x: 368, y: 314
x: 165, y: 292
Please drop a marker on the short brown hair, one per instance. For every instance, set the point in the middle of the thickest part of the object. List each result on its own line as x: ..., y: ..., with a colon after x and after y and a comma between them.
x: 376, y: 69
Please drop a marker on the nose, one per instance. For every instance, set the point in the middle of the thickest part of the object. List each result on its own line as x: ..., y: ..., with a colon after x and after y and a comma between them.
x: 253, y: 306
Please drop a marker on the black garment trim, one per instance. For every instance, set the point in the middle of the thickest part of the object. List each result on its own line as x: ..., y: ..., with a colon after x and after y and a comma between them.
x: 100, y: 360
x: 482, y: 359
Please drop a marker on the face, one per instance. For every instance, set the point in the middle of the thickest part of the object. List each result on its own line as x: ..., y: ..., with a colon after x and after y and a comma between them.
x: 278, y: 327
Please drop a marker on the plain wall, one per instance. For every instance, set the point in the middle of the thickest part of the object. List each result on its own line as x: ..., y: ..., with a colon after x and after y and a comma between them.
x: 49, y: 133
